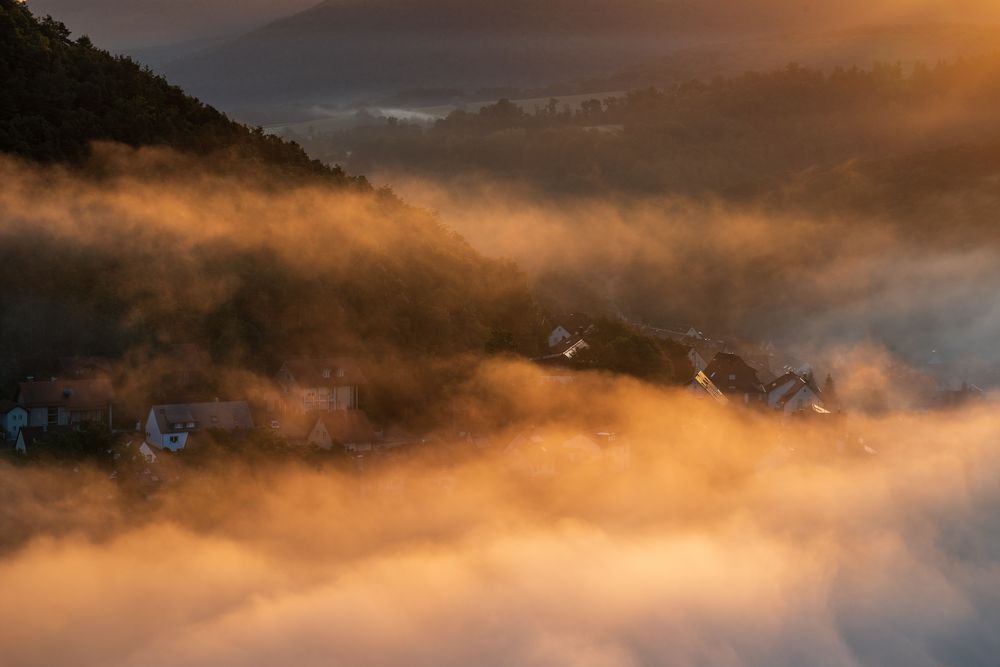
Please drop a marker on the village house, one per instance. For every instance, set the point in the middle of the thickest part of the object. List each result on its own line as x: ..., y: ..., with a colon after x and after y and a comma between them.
x: 568, y: 326
x: 568, y: 349
x: 13, y: 418
x: 736, y: 379
x: 66, y: 402
x: 170, y: 427
x: 792, y: 393
x: 309, y: 385
x: 349, y: 429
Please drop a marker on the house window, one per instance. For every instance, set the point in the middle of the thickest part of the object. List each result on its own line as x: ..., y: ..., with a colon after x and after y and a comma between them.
x: 326, y: 372
x: 53, y: 416
x: 340, y: 372
x: 174, y: 439
x: 732, y: 376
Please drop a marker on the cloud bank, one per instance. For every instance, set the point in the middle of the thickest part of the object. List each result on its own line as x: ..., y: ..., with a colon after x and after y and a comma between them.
x: 730, y: 540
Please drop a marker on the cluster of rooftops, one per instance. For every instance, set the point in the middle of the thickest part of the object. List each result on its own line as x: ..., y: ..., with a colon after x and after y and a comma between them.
x: 721, y: 372
x: 314, y: 401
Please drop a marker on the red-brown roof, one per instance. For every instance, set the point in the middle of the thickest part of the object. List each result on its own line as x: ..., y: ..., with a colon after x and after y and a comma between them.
x: 93, y: 394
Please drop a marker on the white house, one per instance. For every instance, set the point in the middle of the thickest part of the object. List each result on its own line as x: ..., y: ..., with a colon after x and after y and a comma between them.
x: 568, y: 326
x: 13, y: 418
x: 171, y: 426
x: 320, y: 384
x: 790, y: 393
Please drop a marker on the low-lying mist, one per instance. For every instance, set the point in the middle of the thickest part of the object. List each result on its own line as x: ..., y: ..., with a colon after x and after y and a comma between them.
x: 143, y: 249
x: 712, y: 537
x: 805, y: 280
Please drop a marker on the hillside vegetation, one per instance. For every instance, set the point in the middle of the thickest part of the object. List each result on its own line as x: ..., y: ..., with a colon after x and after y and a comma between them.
x: 59, y: 95
x: 180, y: 226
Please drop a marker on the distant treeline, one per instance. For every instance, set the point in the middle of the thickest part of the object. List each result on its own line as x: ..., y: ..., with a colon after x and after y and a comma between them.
x: 735, y: 137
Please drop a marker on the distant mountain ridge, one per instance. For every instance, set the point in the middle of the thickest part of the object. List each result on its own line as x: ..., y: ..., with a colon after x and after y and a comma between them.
x: 345, y: 47
x: 343, y: 51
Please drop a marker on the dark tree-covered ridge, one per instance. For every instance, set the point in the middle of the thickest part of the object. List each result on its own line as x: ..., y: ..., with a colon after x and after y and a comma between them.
x: 59, y: 95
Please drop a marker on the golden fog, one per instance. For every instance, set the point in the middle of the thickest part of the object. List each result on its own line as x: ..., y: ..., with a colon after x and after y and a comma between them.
x: 722, y: 538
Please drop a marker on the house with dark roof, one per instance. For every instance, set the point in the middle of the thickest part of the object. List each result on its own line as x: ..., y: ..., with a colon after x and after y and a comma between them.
x: 349, y: 429
x: 309, y: 385
x: 13, y: 418
x: 792, y: 393
x: 736, y: 379
x: 67, y: 402
x: 568, y: 326
x: 171, y: 426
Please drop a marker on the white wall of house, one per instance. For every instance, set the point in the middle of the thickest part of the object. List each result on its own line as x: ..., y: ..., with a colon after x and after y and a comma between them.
x: 40, y: 416
x: 801, y: 400
x: 775, y: 394
x: 13, y: 421
x: 558, y: 335
x: 319, y: 436
x: 170, y: 441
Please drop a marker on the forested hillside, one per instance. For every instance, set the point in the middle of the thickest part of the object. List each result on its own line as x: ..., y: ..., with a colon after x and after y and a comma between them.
x: 59, y: 95
x: 182, y: 227
x: 735, y: 137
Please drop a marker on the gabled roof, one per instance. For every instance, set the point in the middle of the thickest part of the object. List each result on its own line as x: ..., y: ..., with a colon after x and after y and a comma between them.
x: 348, y: 426
x: 93, y: 394
x: 725, y: 364
x: 781, y: 380
x: 224, y: 415
x: 795, y: 383
x: 332, y: 372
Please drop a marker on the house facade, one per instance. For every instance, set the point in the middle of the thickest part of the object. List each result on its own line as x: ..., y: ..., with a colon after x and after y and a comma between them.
x: 170, y: 427
x: 736, y: 379
x: 13, y: 418
x: 791, y: 393
x: 568, y: 326
x: 320, y: 385
x: 66, y: 402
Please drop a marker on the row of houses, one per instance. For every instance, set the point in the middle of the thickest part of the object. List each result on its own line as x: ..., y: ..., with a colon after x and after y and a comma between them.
x: 44, y: 405
x: 728, y: 378
x: 315, y: 402
x: 720, y: 373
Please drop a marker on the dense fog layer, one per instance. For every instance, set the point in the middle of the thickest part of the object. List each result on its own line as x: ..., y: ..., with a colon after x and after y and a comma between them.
x: 802, y: 281
x: 719, y: 538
